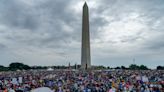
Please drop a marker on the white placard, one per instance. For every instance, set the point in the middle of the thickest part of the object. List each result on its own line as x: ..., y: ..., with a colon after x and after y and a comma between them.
x: 20, y: 80
x: 14, y: 81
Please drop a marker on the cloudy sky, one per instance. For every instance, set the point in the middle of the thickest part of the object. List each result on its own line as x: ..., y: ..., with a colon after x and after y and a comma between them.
x: 48, y: 32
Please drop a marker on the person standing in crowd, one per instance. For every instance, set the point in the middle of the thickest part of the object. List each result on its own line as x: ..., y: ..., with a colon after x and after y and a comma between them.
x: 78, y: 81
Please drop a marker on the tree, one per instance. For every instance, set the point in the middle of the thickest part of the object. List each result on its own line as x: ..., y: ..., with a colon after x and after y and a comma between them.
x: 160, y: 67
x: 123, y: 67
x: 26, y: 67
x: 20, y: 66
x: 118, y: 67
x: 143, y: 67
x: 99, y: 67
x: 2, y: 68
x: 134, y: 67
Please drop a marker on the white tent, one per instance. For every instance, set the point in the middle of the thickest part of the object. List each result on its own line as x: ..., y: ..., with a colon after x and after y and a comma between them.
x: 50, y: 69
x: 42, y: 89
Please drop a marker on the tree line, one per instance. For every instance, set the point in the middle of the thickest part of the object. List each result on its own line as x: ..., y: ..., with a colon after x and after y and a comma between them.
x: 20, y: 66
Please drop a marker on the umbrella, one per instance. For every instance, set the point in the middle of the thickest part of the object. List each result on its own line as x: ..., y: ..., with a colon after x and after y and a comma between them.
x: 42, y: 89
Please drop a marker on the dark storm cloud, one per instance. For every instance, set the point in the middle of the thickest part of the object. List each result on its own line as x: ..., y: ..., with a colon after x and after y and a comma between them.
x: 52, y: 14
x: 14, y: 14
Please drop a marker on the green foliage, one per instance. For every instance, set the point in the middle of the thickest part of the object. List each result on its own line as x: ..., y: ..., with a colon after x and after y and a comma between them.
x: 136, y: 67
x: 2, y: 68
x: 143, y: 67
x: 118, y: 67
x: 39, y: 67
x: 18, y: 66
x: 108, y: 67
x: 123, y: 67
x: 99, y: 67
x: 160, y: 67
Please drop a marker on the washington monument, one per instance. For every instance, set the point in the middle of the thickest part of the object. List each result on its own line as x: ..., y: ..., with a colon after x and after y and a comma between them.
x: 85, y: 50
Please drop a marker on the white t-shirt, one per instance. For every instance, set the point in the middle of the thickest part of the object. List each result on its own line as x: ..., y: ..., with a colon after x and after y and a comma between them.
x: 11, y: 90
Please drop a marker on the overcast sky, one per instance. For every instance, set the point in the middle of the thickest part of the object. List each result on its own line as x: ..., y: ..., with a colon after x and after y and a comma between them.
x: 48, y: 32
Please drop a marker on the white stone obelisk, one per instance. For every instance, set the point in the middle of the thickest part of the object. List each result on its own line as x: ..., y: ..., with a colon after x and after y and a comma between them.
x: 85, y: 50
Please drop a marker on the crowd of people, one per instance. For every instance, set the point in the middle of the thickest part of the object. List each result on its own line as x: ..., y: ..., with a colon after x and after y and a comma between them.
x: 83, y: 81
